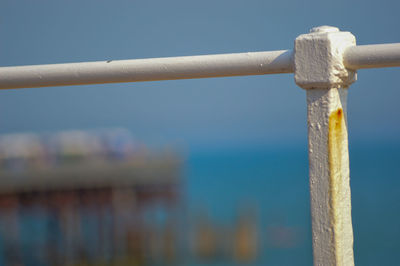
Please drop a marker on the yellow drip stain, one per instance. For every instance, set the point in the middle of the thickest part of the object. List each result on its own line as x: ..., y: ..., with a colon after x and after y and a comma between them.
x: 335, y: 146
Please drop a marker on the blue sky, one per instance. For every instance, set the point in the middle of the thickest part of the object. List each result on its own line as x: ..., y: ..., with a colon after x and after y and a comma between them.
x: 207, y: 112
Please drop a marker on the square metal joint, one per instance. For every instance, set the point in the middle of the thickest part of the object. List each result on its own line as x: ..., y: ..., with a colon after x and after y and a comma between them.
x: 318, y: 58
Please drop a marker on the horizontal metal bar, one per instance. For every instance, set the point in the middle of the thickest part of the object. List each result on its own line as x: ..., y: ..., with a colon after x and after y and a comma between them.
x: 185, y: 67
x: 169, y: 68
x: 372, y: 56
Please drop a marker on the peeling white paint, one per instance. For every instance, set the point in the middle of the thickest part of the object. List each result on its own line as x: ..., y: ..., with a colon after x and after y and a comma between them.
x: 319, y: 69
x: 329, y: 177
x: 318, y: 58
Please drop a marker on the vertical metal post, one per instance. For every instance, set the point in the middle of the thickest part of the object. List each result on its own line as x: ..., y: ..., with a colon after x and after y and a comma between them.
x: 319, y: 69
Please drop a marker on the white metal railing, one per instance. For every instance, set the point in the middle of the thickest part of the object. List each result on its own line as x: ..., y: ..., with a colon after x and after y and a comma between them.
x: 185, y: 67
x: 324, y: 63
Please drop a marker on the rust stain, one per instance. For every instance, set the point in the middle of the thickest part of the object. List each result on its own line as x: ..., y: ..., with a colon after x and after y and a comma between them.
x: 335, y: 146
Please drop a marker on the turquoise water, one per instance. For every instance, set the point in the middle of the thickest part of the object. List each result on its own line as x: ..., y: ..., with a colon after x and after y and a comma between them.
x: 274, y: 182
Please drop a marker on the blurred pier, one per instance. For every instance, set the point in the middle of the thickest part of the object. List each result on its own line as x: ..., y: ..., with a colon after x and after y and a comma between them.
x: 85, y: 198
x: 103, y: 198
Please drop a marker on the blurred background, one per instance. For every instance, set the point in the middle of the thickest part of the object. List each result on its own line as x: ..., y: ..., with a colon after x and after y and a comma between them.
x: 190, y: 172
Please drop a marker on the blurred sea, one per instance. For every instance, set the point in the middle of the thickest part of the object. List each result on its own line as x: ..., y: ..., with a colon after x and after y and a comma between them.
x: 235, y: 197
x: 273, y: 184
